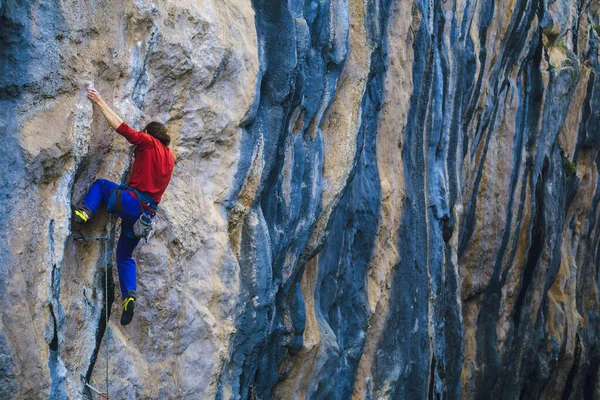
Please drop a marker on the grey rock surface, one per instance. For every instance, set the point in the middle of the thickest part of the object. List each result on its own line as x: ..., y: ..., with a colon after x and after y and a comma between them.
x: 372, y: 199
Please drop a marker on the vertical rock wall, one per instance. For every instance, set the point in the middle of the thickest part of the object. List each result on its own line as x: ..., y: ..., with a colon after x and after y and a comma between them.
x: 192, y: 65
x: 371, y: 199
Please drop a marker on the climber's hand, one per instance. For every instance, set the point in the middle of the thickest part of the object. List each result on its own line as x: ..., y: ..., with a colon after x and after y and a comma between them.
x: 94, y: 96
x: 111, y: 117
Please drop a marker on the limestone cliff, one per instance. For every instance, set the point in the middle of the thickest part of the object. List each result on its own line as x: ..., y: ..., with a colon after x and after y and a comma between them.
x: 371, y: 199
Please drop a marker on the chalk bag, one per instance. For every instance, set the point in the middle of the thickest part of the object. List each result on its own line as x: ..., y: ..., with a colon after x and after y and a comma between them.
x: 144, y: 227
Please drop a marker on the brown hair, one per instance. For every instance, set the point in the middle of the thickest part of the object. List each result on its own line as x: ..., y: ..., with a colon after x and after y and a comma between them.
x: 159, y: 131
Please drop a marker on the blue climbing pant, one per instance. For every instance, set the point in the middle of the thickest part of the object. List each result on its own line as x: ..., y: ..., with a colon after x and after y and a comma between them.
x: 129, y: 209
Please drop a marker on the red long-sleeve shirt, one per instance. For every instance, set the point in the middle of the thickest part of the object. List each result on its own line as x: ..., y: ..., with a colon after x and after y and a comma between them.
x: 153, y: 163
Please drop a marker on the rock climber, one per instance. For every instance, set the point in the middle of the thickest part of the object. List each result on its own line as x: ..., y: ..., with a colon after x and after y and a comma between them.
x: 150, y: 176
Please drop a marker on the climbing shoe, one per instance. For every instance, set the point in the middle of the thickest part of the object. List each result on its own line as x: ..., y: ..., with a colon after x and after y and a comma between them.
x: 81, y: 215
x: 128, y: 308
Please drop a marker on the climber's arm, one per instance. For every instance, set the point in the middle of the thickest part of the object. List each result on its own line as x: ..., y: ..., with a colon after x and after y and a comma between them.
x: 132, y: 136
x: 111, y: 117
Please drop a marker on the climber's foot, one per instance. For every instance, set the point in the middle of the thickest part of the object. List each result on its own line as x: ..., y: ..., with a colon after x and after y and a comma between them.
x: 128, y: 308
x: 81, y: 215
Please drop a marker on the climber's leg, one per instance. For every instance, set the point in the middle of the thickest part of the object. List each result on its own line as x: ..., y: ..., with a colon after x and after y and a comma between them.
x: 127, y: 269
x: 125, y: 262
x: 99, y: 192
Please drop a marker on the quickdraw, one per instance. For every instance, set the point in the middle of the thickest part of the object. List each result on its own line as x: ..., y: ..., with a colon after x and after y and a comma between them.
x: 93, y: 389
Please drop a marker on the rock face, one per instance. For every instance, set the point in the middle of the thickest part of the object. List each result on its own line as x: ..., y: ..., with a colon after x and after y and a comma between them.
x: 371, y: 199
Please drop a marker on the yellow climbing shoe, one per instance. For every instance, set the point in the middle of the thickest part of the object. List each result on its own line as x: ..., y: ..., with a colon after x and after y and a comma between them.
x: 81, y: 215
x: 128, y: 308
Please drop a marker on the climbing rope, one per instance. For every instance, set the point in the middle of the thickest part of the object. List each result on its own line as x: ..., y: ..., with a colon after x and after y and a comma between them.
x: 105, y: 260
x: 106, y: 264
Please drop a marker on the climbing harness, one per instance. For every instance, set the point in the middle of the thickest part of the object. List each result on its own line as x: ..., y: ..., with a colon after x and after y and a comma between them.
x: 144, y: 226
x: 106, y: 261
x: 146, y: 202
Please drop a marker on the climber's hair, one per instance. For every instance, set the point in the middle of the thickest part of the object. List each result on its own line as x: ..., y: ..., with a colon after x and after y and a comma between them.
x: 159, y: 131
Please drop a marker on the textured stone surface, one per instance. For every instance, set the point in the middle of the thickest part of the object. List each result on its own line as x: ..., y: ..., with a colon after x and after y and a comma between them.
x: 371, y: 199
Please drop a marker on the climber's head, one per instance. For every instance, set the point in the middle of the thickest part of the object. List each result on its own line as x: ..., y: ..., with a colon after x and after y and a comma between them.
x: 159, y: 131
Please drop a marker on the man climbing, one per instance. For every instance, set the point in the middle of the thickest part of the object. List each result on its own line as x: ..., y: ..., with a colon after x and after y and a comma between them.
x: 150, y: 176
